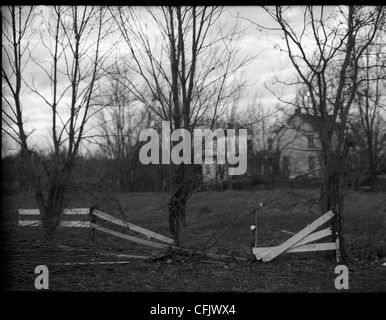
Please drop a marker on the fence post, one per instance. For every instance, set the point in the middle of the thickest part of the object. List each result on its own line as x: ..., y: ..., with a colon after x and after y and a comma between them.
x: 254, y: 229
x: 92, y: 220
x: 255, y: 217
x: 17, y: 220
x: 338, y: 257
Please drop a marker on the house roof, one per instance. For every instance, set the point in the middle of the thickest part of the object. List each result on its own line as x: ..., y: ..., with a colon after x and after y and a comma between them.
x: 313, y: 121
x: 304, y: 117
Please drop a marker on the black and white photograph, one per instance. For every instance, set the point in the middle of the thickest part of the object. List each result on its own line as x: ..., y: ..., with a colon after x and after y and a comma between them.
x: 180, y: 150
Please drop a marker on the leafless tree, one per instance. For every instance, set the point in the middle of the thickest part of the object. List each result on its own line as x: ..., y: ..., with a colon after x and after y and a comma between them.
x: 120, y: 123
x: 190, y: 69
x: 317, y: 45
x: 71, y: 39
x: 371, y: 105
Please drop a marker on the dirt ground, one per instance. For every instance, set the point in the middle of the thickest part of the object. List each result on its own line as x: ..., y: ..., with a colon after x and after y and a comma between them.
x: 179, y: 273
x: 134, y: 289
x: 175, y: 272
x: 190, y: 274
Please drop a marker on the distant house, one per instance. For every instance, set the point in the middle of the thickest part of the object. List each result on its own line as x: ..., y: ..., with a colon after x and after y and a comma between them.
x: 218, y: 172
x: 290, y: 151
x: 299, y: 145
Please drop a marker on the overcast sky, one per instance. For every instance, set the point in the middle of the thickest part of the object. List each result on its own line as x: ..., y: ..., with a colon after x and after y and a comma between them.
x: 269, y: 62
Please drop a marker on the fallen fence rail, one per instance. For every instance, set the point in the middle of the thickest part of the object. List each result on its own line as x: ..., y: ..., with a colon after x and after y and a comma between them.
x: 300, y: 242
x: 130, y: 226
x: 130, y: 238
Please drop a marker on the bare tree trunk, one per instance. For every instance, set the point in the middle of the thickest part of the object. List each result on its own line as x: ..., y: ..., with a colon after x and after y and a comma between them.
x: 371, y: 155
x: 332, y: 191
x: 51, y: 213
x: 332, y: 199
x: 177, y: 204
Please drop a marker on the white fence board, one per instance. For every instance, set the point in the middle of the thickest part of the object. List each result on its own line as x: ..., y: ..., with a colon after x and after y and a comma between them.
x: 314, y: 236
x: 303, y: 248
x: 29, y: 223
x: 131, y: 226
x: 297, y: 237
x: 130, y: 238
x: 75, y: 224
x: 315, y: 247
x: 65, y: 211
x: 38, y: 223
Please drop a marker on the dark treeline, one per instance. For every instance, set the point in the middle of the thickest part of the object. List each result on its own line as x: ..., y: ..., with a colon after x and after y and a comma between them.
x: 102, y: 172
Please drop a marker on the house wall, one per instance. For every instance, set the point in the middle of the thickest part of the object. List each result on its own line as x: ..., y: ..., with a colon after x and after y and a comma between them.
x: 297, y: 155
x: 218, y: 172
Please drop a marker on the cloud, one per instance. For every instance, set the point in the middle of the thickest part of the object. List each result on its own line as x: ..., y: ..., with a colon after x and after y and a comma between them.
x: 269, y: 61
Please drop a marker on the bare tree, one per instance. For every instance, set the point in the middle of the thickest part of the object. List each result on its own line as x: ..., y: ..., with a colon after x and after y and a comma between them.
x: 371, y: 103
x: 71, y: 38
x: 359, y: 170
x: 190, y: 69
x: 318, y: 44
x: 120, y: 123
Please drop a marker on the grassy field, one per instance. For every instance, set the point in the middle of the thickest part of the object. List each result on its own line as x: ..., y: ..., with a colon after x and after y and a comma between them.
x: 217, y: 222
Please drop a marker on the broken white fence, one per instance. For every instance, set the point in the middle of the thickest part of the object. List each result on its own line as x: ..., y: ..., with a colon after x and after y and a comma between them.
x: 96, y: 216
x: 300, y: 242
x: 30, y: 218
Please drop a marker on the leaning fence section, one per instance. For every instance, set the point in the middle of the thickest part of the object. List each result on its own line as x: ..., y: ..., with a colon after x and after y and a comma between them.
x: 94, y: 219
x: 300, y: 242
x: 97, y: 216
